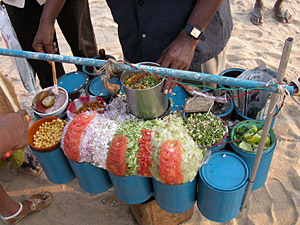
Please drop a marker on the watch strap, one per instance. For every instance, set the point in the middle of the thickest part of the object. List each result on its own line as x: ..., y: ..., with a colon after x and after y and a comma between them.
x: 194, y: 32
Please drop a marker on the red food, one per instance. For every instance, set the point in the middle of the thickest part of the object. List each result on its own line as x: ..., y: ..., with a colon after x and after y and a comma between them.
x: 116, y: 159
x: 170, y: 170
x: 73, y: 135
x: 144, y: 159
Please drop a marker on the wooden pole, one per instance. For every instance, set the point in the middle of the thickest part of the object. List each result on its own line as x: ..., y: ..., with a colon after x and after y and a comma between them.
x: 274, y: 97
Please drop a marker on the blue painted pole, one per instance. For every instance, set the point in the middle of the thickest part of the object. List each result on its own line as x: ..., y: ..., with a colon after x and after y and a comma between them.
x: 187, y: 75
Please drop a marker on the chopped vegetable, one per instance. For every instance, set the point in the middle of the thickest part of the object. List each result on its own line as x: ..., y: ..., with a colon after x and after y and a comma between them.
x: 141, y: 81
x: 144, y: 159
x: 170, y: 170
x: 116, y: 159
x: 206, y: 129
x: 171, y: 128
x: 73, y: 135
x: 132, y: 131
x: 250, y: 137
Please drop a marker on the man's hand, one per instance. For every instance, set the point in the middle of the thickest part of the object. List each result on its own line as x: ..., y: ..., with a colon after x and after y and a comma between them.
x: 13, y: 131
x: 178, y: 55
x: 43, y: 41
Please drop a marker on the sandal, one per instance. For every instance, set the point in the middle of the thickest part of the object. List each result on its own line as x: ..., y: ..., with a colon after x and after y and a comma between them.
x: 32, y: 167
x: 296, y: 84
x: 283, y: 16
x: 35, y: 202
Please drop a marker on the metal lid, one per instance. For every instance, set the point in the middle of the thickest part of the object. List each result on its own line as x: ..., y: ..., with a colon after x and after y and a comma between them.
x: 73, y: 81
x: 225, y: 171
x: 96, y: 87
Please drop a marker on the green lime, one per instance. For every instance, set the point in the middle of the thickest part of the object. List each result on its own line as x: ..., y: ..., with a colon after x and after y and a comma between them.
x: 268, y: 142
x: 252, y: 129
x: 246, y: 146
x: 254, y: 139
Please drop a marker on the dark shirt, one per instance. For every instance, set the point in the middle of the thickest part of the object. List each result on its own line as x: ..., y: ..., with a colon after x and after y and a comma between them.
x: 147, y: 27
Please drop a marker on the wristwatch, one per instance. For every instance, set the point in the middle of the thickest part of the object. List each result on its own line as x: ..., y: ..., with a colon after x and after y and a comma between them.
x: 194, y: 32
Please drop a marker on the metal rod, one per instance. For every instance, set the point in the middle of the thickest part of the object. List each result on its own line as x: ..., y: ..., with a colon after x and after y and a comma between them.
x: 187, y: 75
x: 274, y: 97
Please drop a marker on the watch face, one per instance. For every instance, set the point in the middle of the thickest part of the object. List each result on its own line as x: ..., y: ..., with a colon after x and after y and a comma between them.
x: 195, y: 32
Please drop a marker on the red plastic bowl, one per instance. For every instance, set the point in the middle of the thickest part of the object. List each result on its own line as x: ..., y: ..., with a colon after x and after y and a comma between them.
x: 77, y: 103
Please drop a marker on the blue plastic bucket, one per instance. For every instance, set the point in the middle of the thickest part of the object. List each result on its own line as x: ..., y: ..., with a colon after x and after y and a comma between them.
x: 232, y: 72
x: 90, y: 178
x: 74, y: 83
x: 175, y: 198
x: 132, y: 189
x: 91, y: 74
x: 222, y: 184
x: 242, y: 117
x: 218, y: 147
x: 96, y: 87
x: 55, y: 165
x: 227, y: 114
x: 249, y: 157
x: 178, y: 98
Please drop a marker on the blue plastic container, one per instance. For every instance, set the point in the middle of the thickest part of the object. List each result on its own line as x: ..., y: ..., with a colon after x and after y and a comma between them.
x: 132, y: 189
x: 249, y: 157
x: 178, y: 98
x: 232, y: 72
x: 74, y: 83
x: 175, y: 198
x: 90, y: 178
x: 55, y: 165
x: 91, y: 74
x: 227, y: 114
x: 242, y: 117
x: 222, y: 184
x: 96, y: 88
x: 218, y: 147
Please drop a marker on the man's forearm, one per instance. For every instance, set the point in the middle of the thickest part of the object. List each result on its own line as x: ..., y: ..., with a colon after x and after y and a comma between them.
x: 203, y: 12
x: 4, y: 144
x: 51, y: 11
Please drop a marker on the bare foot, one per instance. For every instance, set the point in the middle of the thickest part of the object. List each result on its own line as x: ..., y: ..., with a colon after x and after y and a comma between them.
x: 282, y: 14
x: 257, y: 15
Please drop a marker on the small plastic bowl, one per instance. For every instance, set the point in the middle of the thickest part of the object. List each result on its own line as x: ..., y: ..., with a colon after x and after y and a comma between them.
x: 57, y: 112
x: 35, y: 127
x: 77, y: 103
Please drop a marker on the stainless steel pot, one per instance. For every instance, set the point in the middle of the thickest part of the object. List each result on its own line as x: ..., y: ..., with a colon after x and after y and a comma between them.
x: 146, y: 103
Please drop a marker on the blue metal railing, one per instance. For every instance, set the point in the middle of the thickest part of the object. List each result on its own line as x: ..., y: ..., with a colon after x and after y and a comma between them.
x: 188, y: 75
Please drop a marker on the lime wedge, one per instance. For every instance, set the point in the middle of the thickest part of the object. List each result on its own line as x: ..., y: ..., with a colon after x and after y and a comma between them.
x: 268, y: 142
x: 254, y: 139
x: 252, y: 129
x: 246, y: 146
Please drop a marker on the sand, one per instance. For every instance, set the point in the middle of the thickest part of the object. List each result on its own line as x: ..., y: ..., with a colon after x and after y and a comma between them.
x: 277, y: 202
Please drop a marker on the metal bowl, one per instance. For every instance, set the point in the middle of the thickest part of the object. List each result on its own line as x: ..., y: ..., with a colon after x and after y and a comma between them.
x: 36, y: 103
x: 146, y: 103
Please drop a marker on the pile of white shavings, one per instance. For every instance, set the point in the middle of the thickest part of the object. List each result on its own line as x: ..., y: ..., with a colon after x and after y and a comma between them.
x: 95, y: 139
x: 172, y: 128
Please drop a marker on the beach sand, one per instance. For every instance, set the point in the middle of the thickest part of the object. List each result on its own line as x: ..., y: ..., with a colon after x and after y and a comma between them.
x: 277, y: 202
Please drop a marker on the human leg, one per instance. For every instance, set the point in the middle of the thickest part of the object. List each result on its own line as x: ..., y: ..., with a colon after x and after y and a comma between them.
x: 25, y: 22
x: 257, y: 14
x: 12, y: 211
x: 7, y: 205
x: 281, y: 13
x: 213, y: 66
x: 75, y: 23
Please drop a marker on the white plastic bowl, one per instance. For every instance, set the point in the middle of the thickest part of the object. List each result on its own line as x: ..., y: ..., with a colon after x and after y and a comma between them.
x: 57, y: 112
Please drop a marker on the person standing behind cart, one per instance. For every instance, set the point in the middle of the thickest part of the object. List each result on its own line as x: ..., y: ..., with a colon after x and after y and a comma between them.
x: 185, y: 35
x: 74, y: 21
